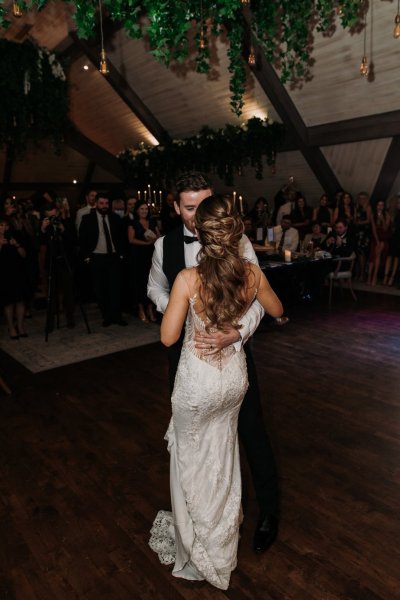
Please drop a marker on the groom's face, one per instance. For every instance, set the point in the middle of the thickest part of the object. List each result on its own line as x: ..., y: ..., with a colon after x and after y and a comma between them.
x: 188, y: 203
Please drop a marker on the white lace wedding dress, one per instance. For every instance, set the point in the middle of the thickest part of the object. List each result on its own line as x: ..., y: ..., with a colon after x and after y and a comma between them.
x: 201, y: 534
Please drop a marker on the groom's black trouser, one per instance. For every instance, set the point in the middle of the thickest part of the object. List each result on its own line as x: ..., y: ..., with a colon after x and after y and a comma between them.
x: 252, y: 434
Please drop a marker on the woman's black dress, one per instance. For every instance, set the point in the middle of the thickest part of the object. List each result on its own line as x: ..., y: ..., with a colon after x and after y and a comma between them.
x: 140, y: 262
x: 14, y: 282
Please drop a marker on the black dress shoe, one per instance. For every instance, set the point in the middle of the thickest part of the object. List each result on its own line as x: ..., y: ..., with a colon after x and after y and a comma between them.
x: 265, y: 534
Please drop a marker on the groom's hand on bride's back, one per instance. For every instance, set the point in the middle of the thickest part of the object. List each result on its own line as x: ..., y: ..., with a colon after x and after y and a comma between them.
x: 212, y: 343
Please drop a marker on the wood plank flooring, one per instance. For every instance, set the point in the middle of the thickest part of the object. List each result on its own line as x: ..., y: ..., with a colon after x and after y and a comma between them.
x: 84, y: 468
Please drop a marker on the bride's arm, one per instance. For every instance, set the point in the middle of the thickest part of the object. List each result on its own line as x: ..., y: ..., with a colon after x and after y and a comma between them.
x: 175, y: 315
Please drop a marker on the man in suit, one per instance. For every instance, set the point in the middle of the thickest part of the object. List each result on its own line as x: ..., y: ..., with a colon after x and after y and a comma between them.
x: 100, y: 240
x: 286, y: 236
x: 172, y: 253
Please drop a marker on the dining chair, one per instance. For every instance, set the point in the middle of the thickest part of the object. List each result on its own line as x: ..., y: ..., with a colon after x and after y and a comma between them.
x: 341, y: 276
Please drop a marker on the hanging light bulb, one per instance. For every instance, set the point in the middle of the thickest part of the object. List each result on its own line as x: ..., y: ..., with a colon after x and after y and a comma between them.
x: 396, y: 31
x: 339, y: 10
x: 103, y: 57
x: 364, y: 69
x: 245, y: 2
x: 252, y: 57
x: 103, y: 63
x: 202, y: 43
x: 16, y: 10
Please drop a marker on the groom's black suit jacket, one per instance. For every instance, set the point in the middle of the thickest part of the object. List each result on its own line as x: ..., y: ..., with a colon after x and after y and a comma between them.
x: 173, y: 254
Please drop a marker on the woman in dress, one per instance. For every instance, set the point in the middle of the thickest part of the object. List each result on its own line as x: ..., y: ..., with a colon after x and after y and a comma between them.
x: 301, y: 217
x: 380, y: 222
x: 363, y: 231
x: 142, y: 233
x: 201, y: 535
x: 323, y: 214
x: 345, y: 210
x: 392, y: 260
x: 14, y: 287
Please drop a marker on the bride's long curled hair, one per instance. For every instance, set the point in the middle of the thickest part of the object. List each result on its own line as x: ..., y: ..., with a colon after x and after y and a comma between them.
x: 222, y: 272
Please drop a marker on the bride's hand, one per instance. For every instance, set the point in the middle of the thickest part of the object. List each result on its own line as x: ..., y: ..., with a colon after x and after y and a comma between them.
x: 212, y: 343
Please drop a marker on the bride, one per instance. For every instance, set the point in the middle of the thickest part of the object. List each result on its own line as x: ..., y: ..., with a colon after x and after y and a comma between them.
x: 201, y: 534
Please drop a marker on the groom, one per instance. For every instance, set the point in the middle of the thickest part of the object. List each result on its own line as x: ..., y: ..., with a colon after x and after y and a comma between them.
x: 172, y: 253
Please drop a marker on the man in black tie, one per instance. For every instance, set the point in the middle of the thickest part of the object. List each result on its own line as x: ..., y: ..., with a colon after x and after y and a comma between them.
x: 100, y: 240
x: 172, y: 253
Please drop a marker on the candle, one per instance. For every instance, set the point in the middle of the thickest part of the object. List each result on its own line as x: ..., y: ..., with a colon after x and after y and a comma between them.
x: 160, y: 194
x: 234, y: 198
x: 241, y: 205
x: 138, y: 194
x: 145, y: 195
x: 288, y: 255
x: 154, y: 196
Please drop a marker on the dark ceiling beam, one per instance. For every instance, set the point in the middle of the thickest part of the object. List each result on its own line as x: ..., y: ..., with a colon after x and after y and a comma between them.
x: 291, y: 118
x: 360, y: 129
x: 389, y: 171
x: 96, y: 154
x: 124, y: 91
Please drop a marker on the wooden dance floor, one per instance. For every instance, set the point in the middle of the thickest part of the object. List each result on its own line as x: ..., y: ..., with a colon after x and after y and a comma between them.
x: 84, y: 468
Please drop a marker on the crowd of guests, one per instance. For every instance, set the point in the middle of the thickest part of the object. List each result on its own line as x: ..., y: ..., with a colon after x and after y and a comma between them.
x: 341, y: 226
x: 103, y: 251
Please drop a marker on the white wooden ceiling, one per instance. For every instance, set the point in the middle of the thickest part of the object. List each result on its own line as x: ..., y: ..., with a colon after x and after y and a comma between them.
x: 183, y: 101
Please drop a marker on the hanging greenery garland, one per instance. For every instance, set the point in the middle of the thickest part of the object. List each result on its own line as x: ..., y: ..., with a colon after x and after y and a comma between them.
x: 282, y: 29
x: 223, y: 151
x: 33, y: 95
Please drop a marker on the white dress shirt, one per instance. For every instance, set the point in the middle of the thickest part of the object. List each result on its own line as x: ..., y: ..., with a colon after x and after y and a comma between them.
x: 101, y: 247
x: 158, y: 288
x: 291, y: 240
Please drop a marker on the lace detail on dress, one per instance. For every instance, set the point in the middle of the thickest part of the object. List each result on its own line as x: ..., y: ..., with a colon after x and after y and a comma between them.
x: 195, y: 324
x: 162, y: 537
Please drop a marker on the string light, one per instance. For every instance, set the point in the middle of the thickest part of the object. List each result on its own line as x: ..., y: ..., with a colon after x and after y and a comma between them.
x: 245, y: 2
x: 364, y: 68
x: 103, y: 57
x: 252, y: 57
x: 16, y: 10
x: 396, y: 32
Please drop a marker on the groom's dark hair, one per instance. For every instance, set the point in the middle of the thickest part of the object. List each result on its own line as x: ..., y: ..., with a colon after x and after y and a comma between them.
x: 192, y: 181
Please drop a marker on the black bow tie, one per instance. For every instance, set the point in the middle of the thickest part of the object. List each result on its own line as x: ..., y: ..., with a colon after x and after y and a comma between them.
x: 189, y: 239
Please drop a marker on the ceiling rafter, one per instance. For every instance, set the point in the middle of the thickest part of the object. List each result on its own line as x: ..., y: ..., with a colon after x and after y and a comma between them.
x: 124, y: 90
x: 93, y: 152
x: 291, y: 118
x: 389, y: 171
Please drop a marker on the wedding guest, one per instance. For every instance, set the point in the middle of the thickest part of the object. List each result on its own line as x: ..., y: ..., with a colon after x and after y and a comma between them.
x: 380, y: 223
x: 290, y: 196
x: 345, y: 209
x: 101, y: 243
x: 285, y: 236
x: 316, y: 236
x: 172, y: 253
x: 90, y: 201
x: 14, y: 288
x: 169, y: 217
x: 392, y: 260
x: 323, y: 214
x: 339, y: 242
x: 260, y: 215
x: 362, y: 231
x: 118, y: 207
x: 301, y: 216
x: 142, y: 233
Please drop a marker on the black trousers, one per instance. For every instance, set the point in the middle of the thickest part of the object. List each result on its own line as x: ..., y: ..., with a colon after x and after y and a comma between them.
x: 252, y: 434
x: 106, y: 275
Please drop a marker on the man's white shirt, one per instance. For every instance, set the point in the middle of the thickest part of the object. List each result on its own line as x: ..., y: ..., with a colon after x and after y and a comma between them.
x: 158, y: 288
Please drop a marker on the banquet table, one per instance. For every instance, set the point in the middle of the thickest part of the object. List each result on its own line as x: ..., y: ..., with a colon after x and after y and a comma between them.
x: 301, y: 278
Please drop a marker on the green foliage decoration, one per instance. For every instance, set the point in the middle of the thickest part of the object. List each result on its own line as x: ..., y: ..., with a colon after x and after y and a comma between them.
x: 223, y: 151
x: 283, y: 30
x: 33, y: 95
